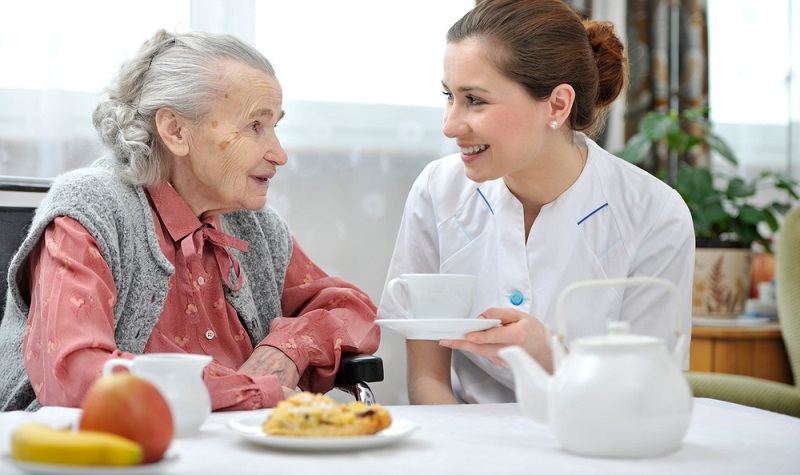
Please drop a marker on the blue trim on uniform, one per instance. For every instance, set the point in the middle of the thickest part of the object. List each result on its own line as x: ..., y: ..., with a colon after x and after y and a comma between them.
x: 600, y: 256
x: 458, y: 223
x: 484, y: 199
x: 590, y: 214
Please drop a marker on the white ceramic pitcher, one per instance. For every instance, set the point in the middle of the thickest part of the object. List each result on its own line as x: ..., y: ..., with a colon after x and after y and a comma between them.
x: 615, y: 395
x: 179, y: 378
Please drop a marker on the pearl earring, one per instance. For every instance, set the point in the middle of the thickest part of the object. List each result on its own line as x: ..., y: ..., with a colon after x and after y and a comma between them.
x: 553, y: 124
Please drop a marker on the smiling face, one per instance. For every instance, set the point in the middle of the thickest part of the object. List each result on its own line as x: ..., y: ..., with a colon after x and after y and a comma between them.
x: 499, y: 127
x: 233, y: 151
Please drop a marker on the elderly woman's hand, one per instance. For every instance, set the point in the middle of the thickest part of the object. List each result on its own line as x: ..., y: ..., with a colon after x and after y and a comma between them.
x: 518, y: 328
x: 268, y: 360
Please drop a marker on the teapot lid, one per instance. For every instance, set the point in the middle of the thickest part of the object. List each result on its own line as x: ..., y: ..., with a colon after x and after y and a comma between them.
x: 618, y: 335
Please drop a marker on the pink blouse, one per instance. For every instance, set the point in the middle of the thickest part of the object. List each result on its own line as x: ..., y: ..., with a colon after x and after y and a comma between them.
x: 70, y: 331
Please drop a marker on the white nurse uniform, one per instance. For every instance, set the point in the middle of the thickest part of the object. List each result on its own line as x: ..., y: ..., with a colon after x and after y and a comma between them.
x: 615, y: 221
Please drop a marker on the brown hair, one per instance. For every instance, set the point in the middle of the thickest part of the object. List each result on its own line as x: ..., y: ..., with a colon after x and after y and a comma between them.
x: 543, y: 43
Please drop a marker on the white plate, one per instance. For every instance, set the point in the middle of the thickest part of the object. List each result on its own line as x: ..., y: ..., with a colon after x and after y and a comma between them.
x: 58, y: 469
x: 437, y: 329
x: 730, y: 322
x: 250, y: 429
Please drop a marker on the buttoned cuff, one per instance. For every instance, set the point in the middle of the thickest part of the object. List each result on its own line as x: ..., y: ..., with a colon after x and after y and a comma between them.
x: 271, y: 388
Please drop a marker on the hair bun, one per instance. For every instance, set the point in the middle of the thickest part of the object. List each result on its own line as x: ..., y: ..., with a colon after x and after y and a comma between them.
x: 609, y: 56
x: 120, y: 128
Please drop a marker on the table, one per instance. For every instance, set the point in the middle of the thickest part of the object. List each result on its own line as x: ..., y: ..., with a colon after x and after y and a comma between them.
x: 480, y: 439
x: 748, y: 350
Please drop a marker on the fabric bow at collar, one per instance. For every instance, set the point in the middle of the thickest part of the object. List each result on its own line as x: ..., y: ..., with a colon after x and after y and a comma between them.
x: 192, y: 247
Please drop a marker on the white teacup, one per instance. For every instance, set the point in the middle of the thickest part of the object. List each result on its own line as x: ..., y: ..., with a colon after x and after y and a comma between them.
x: 429, y: 296
x: 179, y: 378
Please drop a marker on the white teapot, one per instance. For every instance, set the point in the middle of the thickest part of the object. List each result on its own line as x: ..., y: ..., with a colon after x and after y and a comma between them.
x: 615, y: 395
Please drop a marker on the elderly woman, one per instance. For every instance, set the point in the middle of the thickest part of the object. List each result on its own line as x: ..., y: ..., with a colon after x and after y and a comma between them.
x: 166, y: 245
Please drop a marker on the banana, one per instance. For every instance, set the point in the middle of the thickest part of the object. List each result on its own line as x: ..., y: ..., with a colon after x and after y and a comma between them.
x: 32, y: 442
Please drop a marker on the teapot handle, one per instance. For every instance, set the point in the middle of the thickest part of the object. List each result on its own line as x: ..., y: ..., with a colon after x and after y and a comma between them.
x: 562, y: 324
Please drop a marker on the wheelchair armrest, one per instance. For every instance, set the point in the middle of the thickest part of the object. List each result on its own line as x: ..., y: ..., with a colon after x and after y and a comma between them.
x: 355, y: 368
x: 355, y: 371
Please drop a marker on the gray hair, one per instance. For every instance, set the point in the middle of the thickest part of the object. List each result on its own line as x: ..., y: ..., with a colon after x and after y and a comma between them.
x: 181, y: 72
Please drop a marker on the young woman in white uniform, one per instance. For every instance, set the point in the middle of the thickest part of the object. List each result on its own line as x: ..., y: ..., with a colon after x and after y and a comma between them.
x: 531, y: 204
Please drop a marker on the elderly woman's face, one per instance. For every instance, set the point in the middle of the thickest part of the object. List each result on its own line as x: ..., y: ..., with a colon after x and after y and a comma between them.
x: 234, y: 151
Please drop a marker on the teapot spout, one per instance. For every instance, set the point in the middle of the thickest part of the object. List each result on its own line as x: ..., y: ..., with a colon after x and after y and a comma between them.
x: 531, y: 382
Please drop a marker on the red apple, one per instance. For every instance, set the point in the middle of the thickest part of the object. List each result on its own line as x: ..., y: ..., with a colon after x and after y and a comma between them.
x: 131, y: 407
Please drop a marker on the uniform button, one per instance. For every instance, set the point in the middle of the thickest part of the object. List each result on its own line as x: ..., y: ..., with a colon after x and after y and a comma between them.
x: 516, y: 297
x: 210, y: 334
x: 201, y: 280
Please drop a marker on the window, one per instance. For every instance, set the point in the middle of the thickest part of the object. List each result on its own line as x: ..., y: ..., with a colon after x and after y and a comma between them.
x: 56, y: 61
x: 754, y: 93
x: 362, y: 94
x: 358, y: 76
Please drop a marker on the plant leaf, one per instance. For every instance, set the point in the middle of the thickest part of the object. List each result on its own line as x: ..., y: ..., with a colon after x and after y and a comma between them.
x: 701, y: 228
x: 695, y: 185
x: 751, y: 215
x: 636, y: 149
x: 692, y: 141
x: 771, y: 221
x: 747, y: 233
x: 678, y: 141
x: 655, y: 126
x: 720, y: 146
x: 781, y: 208
x: 786, y: 182
x: 696, y: 114
x: 738, y: 188
x: 714, y: 212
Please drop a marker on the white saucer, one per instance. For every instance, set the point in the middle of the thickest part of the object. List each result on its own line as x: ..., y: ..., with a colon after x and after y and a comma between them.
x: 438, y: 329
x: 250, y: 429
x: 730, y: 322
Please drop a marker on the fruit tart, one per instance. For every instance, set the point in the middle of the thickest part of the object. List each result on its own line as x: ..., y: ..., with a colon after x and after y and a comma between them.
x: 317, y: 415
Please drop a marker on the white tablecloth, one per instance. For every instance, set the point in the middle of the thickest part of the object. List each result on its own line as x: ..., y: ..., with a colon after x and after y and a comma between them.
x: 488, y: 439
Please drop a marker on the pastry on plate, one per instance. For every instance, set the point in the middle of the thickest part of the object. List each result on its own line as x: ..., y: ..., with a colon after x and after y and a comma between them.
x: 317, y: 415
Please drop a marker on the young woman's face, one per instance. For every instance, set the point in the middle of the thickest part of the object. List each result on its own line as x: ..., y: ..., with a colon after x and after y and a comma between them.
x: 498, y: 126
x: 234, y: 150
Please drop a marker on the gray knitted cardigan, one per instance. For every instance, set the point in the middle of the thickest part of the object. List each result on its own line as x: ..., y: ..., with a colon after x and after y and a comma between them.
x: 118, y: 216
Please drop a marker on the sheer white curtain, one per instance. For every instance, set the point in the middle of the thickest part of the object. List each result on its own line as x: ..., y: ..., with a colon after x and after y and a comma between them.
x: 362, y: 96
x: 56, y: 58
x: 754, y: 92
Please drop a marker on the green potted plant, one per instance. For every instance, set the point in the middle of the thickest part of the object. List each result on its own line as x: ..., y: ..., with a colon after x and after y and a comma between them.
x: 727, y: 221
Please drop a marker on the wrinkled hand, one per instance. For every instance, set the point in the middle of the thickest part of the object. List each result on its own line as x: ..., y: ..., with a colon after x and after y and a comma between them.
x: 268, y: 360
x: 518, y: 328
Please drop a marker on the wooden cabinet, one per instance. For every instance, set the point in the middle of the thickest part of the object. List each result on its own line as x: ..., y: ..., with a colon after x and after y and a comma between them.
x: 753, y: 351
